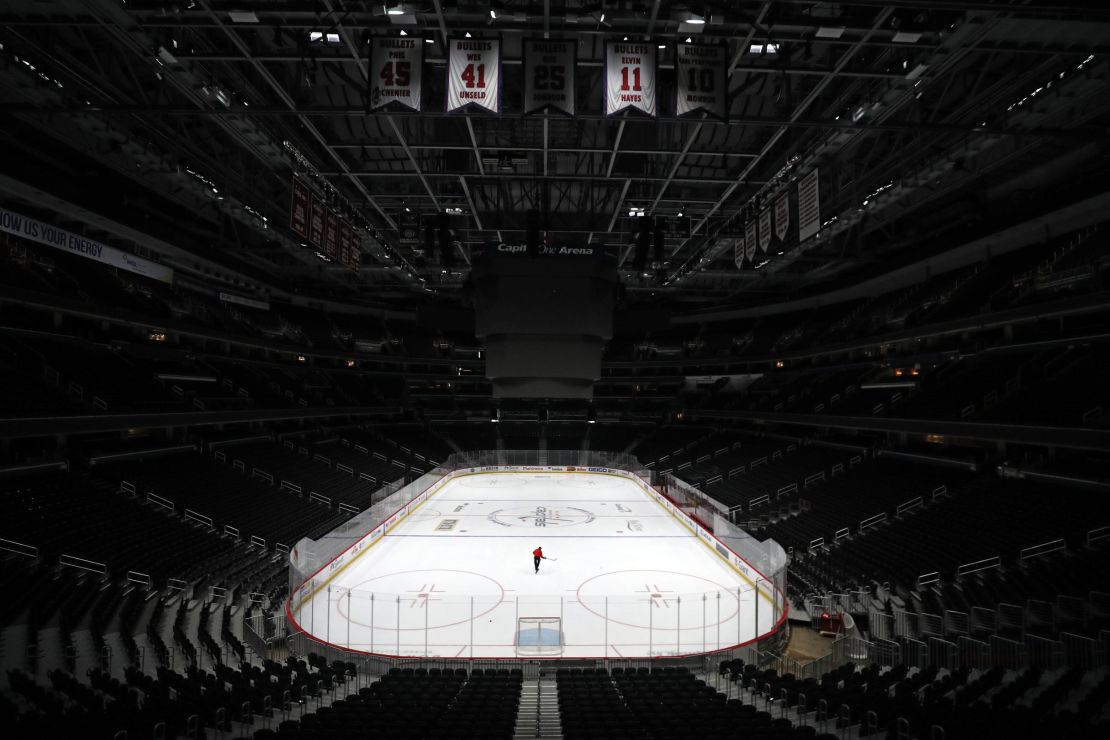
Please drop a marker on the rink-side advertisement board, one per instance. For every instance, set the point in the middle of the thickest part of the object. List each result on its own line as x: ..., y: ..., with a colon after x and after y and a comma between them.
x: 396, y: 72
x: 474, y: 74
x: 41, y: 232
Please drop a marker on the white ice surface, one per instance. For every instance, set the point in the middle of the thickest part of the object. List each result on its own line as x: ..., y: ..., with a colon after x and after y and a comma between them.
x: 625, y: 576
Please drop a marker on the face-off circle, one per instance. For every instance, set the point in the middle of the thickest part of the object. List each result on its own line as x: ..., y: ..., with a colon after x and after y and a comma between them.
x: 419, y: 590
x: 663, y: 588
x: 541, y: 516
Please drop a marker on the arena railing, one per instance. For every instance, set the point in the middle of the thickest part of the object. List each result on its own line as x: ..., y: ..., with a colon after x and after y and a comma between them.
x: 313, y: 562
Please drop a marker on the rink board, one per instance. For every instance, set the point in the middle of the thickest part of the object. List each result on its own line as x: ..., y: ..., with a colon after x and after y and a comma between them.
x: 449, y: 575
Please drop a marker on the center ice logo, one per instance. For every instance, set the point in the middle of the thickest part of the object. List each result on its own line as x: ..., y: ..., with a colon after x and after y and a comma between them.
x: 541, y: 516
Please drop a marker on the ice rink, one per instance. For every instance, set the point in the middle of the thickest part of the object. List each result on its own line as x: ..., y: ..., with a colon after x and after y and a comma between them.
x: 625, y: 577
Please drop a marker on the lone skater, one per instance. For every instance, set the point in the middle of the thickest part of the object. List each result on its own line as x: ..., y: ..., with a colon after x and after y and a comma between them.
x: 537, y: 556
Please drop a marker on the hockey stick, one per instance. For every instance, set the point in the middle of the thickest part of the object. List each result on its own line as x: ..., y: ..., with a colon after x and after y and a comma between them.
x: 552, y: 559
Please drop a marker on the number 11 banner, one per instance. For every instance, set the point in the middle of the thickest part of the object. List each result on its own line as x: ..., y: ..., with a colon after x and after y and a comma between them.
x: 629, y: 77
x: 701, y: 79
x: 549, y: 75
x: 396, y: 72
x: 474, y: 74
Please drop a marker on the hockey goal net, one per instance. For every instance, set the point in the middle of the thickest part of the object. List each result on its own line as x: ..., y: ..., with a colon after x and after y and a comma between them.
x: 539, y: 636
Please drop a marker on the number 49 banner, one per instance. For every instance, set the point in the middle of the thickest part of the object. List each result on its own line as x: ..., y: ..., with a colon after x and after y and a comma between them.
x: 549, y: 75
x: 629, y: 77
x: 701, y: 83
x: 396, y: 72
x: 474, y: 74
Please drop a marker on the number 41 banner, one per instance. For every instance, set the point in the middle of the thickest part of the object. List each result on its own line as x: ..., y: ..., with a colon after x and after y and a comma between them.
x: 701, y: 79
x: 474, y: 74
x: 396, y: 72
x: 629, y: 77
x: 549, y: 75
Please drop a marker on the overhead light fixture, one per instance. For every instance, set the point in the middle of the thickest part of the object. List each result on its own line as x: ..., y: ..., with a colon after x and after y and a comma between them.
x: 830, y: 32
x: 662, y: 46
x: 404, y: 32
x: 697, y: 20
x: 689, y: 40
x: 394, y: 10
x: 467, y: 35
x: 493, y: 13
x: 602, y: 18
x: 242, y: 16
x: 333, y: 38
x: 906, y: 37
x: 917, y: 71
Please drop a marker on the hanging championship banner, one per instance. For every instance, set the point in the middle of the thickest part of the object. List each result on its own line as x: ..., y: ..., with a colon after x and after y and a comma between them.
x: 549, y: 75
x: 764, y: 230
x: 738, y: 253
x: 750, y: 234
x: 629, y: 77
x: 298, y: 209
x: 749, y: 251
x: 809, y: 207
x: 474, y: 74
x: 782, y: 216
x: 331, y: 234
x: 316, y: 223
x: 396, y: 72
x: 701, y: 80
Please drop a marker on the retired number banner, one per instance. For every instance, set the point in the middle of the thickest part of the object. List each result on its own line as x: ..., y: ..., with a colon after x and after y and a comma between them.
x: 764, y: 229
x: 629, y: 77
x: 782, y: 216
x: 809, y: 206
x: 474, y: 74
x: 298, y: 209
x: 738, y: 253
x: 396, y: 72
x: 751, y: 237
x: 549, y: 75
x: 701, y: 80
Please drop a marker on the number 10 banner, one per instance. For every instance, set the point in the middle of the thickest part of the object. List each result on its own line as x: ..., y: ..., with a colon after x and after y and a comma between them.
x: 474, y: 74
x: 629, y: 77
x: 396, y: 72
x: 701, y: 79
x: 549, y: 75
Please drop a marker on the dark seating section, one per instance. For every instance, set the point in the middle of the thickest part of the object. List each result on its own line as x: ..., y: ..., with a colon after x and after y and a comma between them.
x: 287, y: 462
x: 975, y: 523
x: 665, y: 703
x: 231, y: 498
x: 996, y: 704
x: 425, y: 703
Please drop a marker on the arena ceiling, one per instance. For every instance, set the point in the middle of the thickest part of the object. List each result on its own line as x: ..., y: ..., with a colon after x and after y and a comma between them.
x: 196, y: 112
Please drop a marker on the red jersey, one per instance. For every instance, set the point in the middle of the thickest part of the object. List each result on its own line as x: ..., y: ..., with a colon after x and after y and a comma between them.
x: 538, y: 552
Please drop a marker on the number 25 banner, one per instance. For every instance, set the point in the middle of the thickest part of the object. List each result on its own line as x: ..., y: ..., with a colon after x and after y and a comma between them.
x: 629, y: 77
x: 701, y: 79
x: 549, y: 75
x: 474, y: 74
x: 396, y: 72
